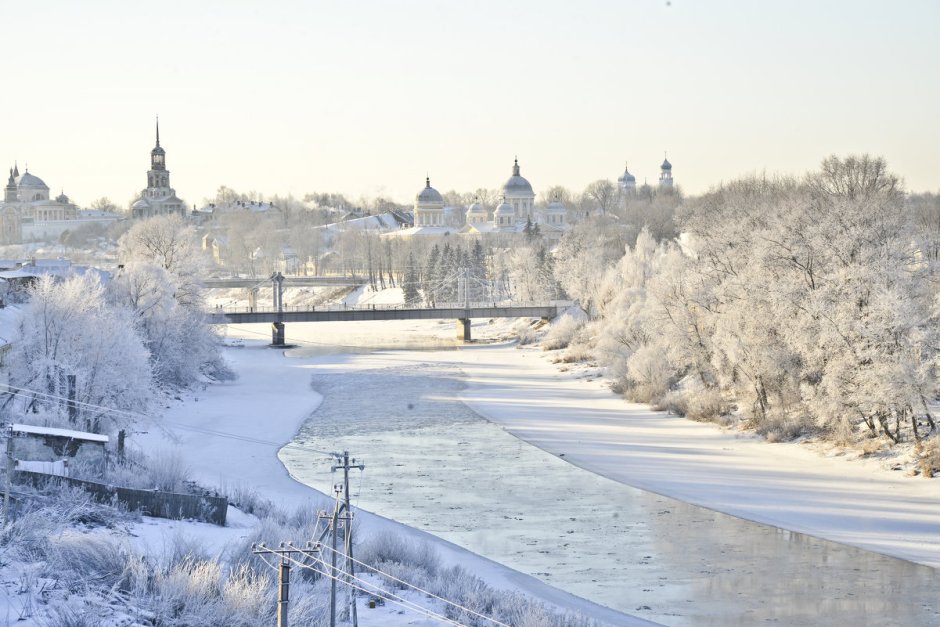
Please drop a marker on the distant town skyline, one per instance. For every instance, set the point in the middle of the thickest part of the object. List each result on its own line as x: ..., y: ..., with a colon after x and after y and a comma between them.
x: 367, y: 98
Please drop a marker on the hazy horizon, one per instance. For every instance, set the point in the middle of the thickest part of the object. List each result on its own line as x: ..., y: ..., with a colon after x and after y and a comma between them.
x: 366, y: 98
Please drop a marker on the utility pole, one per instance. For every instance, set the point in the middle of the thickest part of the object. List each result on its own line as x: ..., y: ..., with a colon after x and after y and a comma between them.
x: 333, y: 525
x: 283, y: 576
x: 350, y: 569
x: 10, y: 465
x: 72, y: 407
x: 283, y: 592
x: 342, y: 511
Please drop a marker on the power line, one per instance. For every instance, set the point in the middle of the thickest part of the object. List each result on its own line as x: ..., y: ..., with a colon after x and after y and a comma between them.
x: 376, y: 590
x: 411, y: 585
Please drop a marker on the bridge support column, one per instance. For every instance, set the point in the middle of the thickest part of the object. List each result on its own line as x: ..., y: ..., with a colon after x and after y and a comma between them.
x: 277, y: 334
x: 463, y: 329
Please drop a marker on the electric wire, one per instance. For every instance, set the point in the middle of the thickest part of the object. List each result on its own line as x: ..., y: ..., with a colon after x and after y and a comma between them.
x: 376, y: 590
x: 411, y: 585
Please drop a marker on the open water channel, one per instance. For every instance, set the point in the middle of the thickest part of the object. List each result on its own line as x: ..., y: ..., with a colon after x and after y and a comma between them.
x: 434, y: 464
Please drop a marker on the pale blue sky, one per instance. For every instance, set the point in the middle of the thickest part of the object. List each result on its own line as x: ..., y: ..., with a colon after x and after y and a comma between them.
x: 366, y: 97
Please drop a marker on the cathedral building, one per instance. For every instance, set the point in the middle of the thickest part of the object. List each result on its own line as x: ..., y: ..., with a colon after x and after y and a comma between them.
x: 626, y: 182
x: 26, y: 201
x: 429, y: 206
x: 158, y: 198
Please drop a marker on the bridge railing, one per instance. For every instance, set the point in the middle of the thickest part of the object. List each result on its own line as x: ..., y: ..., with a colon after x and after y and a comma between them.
x: 376, y: 307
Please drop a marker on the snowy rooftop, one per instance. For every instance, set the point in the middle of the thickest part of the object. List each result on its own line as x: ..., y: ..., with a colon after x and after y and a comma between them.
x: 59, y: 433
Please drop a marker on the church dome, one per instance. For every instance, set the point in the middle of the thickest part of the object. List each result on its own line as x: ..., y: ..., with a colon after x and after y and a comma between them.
x: 476, y: 208
x: 517, y: 185
x: 429, y: 194
x: 627, y: 177
x: 504, y: 208
x: 556, y: 206
x: 29, y: 180
x: 666, y: 165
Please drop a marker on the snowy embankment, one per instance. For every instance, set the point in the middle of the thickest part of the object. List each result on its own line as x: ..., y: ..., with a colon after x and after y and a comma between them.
x: 787, y: 485
x: 229, y: 435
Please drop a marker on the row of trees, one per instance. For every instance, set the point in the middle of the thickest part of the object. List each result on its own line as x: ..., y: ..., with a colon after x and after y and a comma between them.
x: 811, y: 304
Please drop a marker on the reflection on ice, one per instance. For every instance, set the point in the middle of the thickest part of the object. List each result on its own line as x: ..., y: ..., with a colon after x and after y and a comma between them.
x: 434, y: 464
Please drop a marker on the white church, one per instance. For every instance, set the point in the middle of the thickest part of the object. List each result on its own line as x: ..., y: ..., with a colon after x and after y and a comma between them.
x: 516, y: 211
x: 626, y: 183
x: 27, y: 205
x: 158, y: 198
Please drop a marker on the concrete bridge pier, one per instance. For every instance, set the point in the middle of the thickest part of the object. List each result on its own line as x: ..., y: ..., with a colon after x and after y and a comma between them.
x: 277, y: 334
x: 463, y: 329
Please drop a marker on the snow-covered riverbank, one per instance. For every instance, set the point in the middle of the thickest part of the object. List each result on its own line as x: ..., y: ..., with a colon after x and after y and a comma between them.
x: 229, y: 435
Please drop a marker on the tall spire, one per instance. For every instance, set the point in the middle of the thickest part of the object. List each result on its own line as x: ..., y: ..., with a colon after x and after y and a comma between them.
x: 158, y: 131
x: 16, y: 169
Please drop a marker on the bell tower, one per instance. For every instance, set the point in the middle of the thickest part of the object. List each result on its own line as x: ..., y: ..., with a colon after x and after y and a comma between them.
x: 158, y: 178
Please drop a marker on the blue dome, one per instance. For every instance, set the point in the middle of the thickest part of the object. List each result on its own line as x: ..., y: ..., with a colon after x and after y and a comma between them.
x: 28, y: 180
x: 666, y: 165
x: 429, y: 194
x: 517, y: 185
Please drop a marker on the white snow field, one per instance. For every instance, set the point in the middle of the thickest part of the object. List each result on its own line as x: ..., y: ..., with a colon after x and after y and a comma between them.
x: 786, y: 485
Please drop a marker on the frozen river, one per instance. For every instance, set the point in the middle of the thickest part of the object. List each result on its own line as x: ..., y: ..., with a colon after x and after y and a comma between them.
x: 434, y: 464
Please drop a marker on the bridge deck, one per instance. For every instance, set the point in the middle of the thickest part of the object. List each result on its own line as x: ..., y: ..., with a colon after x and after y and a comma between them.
x: 334, y: 313
x: 289, y: 281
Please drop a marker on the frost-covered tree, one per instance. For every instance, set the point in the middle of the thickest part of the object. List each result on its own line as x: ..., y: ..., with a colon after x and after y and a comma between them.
x: 160, y: 285
x: 412, y: 294
x: 72, y: 333
x: 811, y: 303
x: 583, y: 256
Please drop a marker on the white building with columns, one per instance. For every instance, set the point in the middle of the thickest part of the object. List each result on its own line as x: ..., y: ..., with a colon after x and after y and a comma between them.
x: 429, y: 206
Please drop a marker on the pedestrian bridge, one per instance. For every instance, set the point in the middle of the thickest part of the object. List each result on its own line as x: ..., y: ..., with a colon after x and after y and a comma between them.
x: 292, y: 281
x: 359, y: 313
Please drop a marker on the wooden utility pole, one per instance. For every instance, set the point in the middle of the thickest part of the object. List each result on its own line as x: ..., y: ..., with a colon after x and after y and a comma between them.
x: 333, y: 526
x: 283, y: 576
x: 283, y: 591
x: 350, y: 569
x: 11, y: 463
x: 72, y: 407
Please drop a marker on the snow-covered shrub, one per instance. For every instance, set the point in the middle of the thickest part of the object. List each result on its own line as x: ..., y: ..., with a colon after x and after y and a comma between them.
x: 88, y: 560
x: 66, y: 615
x: 167, y: 471
x: 388, y: 547
x: 562, y: 332
x: 577, y: 353
x: 249, y: 500
x: 697, y: 402
x: 780, y: 426
x: 649, y: 374
x: 524, y: 332
x: 927, y: 453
